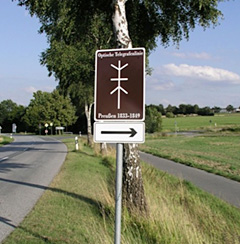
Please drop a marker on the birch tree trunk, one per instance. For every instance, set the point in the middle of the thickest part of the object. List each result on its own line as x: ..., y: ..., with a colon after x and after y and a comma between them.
x: 88, y: 109
x: 103, y: 149
x: 133, y: 190
x: 120, y: 24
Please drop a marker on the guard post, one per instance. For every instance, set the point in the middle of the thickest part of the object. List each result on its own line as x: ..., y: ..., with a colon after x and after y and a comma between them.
x: 76, y: 143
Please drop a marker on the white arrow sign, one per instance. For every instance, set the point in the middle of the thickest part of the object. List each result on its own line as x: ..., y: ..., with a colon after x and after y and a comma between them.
x: 119, y: 132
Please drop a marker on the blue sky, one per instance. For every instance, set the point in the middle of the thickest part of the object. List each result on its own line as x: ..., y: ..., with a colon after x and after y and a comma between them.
x: 204, y: 70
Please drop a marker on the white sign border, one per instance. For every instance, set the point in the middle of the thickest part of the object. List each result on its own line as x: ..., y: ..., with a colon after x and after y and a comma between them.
x: 95, y: 84
x: 119, y: 141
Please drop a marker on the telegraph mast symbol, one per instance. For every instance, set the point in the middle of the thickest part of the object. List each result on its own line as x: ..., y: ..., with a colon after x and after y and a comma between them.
x: 119, y: 79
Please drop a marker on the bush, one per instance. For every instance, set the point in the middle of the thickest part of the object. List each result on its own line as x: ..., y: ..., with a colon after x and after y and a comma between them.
x: 170, y: 115
x: 153, y: 120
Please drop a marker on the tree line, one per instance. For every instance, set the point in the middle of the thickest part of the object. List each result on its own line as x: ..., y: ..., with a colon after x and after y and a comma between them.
x: 44, y: 109
x: 187, y: 109
x: 55, y: 110
x: 58, y: 110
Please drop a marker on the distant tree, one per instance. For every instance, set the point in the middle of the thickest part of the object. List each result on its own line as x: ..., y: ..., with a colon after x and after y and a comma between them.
x: 170, y: 115
x: 230, y: 108
x: 152, y: 106
x: 49, y: 108
x: 175, y: 110
x: 216, y: 109
x: 169, y: 108
x: 11, y: 113
x: 195, y: 109
x: 16, y: 117
x: 153, y: 120
x: 206, y: 111
x: 182, y: 109
x: 189, y: 109
x: 161, y: 109
x: 6, y: 107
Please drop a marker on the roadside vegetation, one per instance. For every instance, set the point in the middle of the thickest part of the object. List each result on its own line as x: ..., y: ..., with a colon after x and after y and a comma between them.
x: 78, y: 207
x: 5, y: 140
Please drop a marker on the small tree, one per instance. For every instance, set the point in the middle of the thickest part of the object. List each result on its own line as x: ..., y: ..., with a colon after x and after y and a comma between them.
x: 230, y: 108
x: 49, y: 108
x: 153, y: 120
x: 11, y: 113
x: 169, y: 108
x: 170, y: 115
x: 6, y: 108
x: 161, y: 109
x: 216, y: 109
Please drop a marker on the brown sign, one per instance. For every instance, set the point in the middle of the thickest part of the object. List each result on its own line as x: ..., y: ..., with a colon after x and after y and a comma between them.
x: 120, y: 85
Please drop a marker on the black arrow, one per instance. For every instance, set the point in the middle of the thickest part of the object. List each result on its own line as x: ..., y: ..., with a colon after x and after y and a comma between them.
x: 132, y: 132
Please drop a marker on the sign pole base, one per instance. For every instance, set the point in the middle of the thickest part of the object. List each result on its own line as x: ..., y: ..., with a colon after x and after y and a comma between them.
x: 118, y: 193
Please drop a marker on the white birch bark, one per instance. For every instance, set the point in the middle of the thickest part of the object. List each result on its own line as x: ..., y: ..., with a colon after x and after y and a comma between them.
x: 133, y: 190
x: 103, y: 149
x: 88, y: 109
x: 120, y: 24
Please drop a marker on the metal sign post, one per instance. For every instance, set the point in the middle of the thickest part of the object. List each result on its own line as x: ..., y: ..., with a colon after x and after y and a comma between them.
x: 118, y: 193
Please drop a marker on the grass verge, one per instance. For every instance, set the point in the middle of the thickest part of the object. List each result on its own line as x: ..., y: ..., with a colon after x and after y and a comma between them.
x: 5, y: 140
x: 78, y: 207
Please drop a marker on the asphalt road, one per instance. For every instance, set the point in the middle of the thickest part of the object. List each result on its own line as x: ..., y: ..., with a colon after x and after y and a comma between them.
x: 27, y: 166
x: 226, y: 189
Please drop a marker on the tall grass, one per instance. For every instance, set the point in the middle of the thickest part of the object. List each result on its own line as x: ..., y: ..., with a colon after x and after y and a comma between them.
x: 78, y: 207
x: 185, y: 214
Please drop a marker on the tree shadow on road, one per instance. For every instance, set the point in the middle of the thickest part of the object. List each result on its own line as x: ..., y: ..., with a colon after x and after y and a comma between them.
x: 7, y: 222
x: 6, y: 167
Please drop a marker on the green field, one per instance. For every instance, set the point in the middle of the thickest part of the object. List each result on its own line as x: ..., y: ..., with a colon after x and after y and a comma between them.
x: 201, y: 122
x: 214, y: 152
x: 78, y: 208
x: 215, y: 149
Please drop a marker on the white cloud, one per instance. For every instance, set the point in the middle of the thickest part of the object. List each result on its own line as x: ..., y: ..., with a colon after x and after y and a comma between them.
x: 164, y: 86
x: 202, y: 55
x: 48, y: 88
x: 202, y: 72
x: 30, y: 89
x: 159, y: 82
